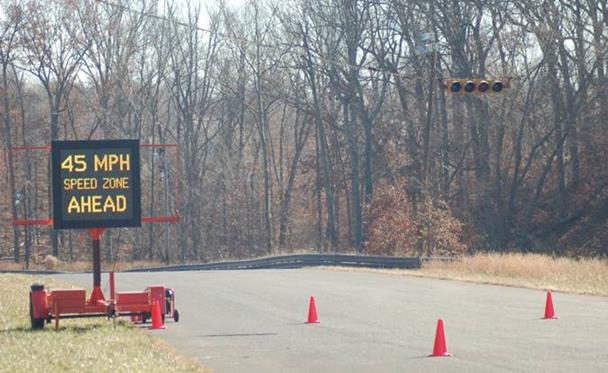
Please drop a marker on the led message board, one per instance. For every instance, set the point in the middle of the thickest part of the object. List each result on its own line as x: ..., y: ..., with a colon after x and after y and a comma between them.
x: 96, y: 184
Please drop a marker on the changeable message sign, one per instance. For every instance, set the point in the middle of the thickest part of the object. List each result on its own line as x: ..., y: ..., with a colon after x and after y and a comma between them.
x: 96, y: 184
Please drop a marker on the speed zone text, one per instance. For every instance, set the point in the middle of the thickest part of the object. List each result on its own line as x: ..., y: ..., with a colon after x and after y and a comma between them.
x: 96, y: 183
x: 92, y: 203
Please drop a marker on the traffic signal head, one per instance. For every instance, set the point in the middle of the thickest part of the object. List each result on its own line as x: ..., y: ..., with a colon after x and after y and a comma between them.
x: 483, y: 86
x: 475, y: 85
x: 455, y: 86
x: 469, y: 86
x: 497, y: 86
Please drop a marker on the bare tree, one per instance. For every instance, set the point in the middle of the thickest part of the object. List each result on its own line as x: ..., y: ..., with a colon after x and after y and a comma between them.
x: 10, y: 26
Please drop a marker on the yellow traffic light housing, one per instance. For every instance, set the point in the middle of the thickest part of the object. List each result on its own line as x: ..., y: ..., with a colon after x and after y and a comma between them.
x: 476, y: 85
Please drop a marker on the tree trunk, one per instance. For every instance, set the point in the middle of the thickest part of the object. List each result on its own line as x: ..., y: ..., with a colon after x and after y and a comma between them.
x: 8, y: 139
x: 54, y: 136
x: 357, y: 209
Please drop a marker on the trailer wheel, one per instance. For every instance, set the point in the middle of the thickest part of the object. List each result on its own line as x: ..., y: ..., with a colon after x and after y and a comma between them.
x: 36, y: 323
x: 176, y: 315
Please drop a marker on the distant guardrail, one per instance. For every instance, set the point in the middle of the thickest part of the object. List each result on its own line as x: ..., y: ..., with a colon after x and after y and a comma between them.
x: 31, y: 271
x: 297, y: 261
x: 285, y: 262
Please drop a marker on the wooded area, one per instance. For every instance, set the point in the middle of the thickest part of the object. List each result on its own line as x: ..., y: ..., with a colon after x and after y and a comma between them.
x: 316, y: 124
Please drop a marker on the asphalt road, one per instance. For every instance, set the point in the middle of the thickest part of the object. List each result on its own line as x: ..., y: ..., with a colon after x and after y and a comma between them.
x: 253, y: 321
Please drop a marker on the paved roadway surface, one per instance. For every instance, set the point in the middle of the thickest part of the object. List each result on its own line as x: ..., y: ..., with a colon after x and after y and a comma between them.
x: 253, y: 321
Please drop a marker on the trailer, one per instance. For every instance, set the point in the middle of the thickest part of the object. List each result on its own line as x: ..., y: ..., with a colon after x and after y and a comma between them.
x: 85, y: 173
x: 47, y: 305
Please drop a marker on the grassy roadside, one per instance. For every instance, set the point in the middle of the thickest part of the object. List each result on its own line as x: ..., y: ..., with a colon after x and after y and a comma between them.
x: 80, y: 344
x: 584, y: 276
x: 80, y: 266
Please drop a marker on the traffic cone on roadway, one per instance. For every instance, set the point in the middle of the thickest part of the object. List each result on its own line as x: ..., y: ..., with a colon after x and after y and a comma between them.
x: 549, y: 311
x: 440, y: 348
x: 157, y: 319
x: 312, y: 312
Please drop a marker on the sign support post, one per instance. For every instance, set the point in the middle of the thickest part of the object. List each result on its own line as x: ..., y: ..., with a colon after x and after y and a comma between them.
x: 97, y: 293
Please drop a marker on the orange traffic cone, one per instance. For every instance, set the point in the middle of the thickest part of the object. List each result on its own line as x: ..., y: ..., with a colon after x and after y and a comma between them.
x: 549, y: 311
x: 440, y: 348
x: 312, y: 312
x: 157, y: 319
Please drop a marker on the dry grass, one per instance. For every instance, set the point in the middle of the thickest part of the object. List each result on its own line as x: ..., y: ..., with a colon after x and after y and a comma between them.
x: 80, y: 345
x: 80, y: 266
x: 584, y: 276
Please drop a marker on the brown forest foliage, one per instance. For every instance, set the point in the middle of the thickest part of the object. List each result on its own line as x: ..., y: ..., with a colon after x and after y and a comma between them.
x: 391, y: 228
x: 306, y: 124
x: 394, y: 228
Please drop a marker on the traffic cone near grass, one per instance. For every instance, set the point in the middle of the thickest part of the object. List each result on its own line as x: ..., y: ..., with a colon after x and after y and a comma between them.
x: 312, y: 312
x: 440, y: 348
x: 157, y: 318
x: 549, y: 310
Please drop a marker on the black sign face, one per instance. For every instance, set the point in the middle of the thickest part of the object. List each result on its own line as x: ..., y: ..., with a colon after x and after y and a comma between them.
x: 96, y: 184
